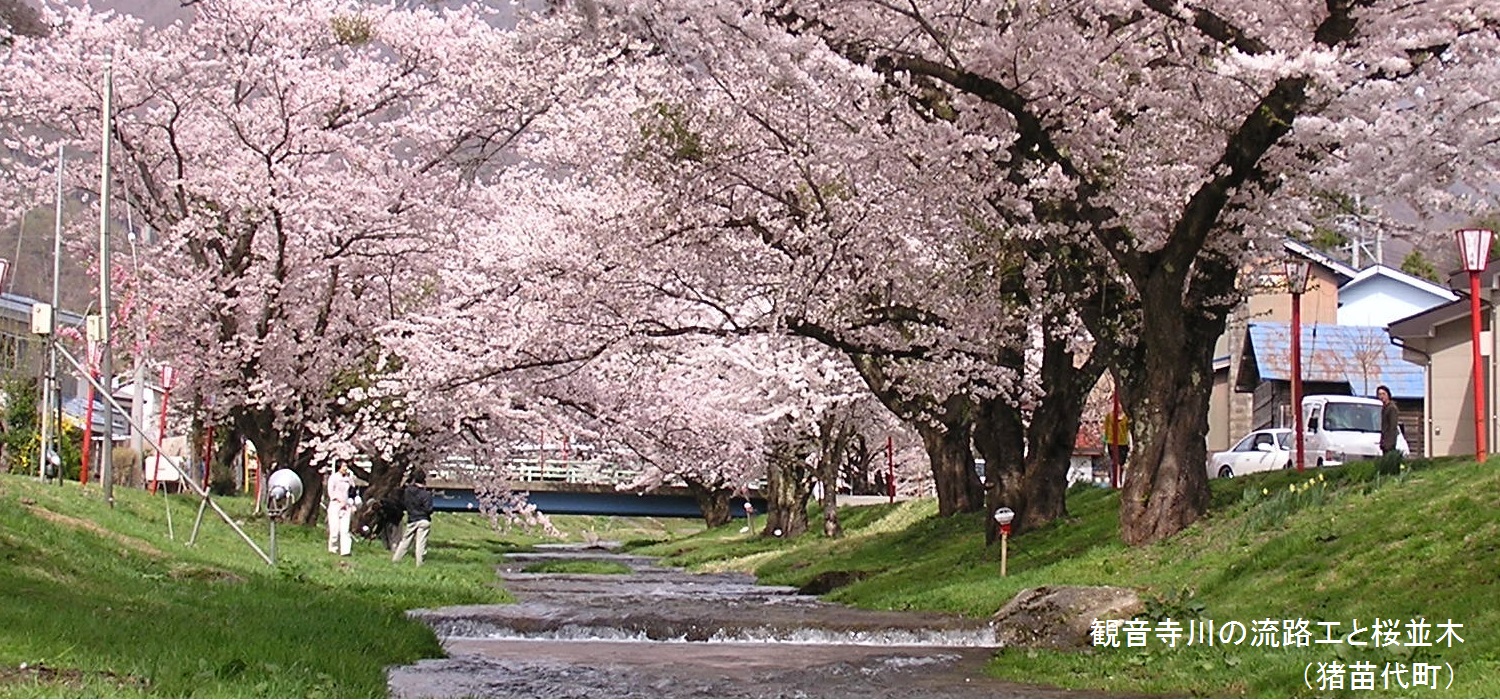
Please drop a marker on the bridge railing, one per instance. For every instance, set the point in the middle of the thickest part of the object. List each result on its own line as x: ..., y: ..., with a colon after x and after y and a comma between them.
x: 462, y: 472
x: 572, y: 471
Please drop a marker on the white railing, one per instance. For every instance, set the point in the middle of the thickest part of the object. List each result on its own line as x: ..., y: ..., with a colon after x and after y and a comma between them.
x: 570, y: 471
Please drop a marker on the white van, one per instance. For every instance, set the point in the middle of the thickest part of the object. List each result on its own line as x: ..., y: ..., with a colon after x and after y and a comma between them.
x: 1342, y: 429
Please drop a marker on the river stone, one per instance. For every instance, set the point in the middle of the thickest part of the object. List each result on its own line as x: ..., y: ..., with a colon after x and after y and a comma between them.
x: 1058, y: 617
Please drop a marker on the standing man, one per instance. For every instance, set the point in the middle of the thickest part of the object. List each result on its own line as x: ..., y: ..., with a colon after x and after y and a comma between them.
x: 1390, y: 428
x: 418, y: 503
x: 340, y: 486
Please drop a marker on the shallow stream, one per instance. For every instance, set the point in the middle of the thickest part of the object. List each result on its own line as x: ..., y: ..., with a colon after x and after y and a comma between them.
x: 663, y: 633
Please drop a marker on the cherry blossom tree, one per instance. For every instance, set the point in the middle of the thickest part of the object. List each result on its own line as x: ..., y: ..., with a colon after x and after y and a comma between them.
x: 780, y: 214
x: 1153, y: 142
x: 299, y: 161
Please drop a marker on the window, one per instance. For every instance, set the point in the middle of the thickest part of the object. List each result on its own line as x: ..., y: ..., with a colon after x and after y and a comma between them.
x: 1360, y: 417
x: 12, y: 352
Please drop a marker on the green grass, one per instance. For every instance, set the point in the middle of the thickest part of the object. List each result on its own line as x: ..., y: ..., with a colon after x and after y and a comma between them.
x: 582, y: 566
x: 1354, y: 545
x: 102, y: 602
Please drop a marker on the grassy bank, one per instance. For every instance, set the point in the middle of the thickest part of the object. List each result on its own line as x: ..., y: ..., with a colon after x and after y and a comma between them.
x: 102, y: 602
x: 1334, y: 546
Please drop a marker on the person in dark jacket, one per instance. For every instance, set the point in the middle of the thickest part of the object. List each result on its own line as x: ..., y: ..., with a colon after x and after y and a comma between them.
x: 417, y: 501
x: 1390, y: 428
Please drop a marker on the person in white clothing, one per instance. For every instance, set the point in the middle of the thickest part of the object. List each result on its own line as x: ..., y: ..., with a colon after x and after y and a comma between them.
x: 340, y: 507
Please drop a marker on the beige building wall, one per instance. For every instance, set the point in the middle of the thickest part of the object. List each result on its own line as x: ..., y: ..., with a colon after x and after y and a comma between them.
x: 1319, y: 305
x: 1231, y: 414
x: 1218, y: 413
x: 1450, y: 407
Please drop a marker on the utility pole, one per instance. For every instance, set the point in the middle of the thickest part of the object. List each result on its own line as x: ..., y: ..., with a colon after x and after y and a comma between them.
x: 138, y: 402
x: 106, y: 378
x: 51, y: 398
x: 1357, y: 243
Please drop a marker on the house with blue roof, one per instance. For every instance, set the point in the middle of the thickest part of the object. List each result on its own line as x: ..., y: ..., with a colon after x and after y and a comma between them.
x: 1336, y: 359
x: 1232, y: 414
x: 1346, y: 348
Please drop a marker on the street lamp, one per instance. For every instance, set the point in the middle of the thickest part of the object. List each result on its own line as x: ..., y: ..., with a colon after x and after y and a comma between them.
x: 1296, y: 283
x: 1474, y: 251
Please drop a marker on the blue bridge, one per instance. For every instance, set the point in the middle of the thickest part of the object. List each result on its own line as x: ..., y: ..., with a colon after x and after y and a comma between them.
x: 578, y: 488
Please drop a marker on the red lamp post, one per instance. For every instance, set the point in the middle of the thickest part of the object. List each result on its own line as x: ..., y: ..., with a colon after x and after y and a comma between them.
x: 1296, y: 283
x: 1474, y: 251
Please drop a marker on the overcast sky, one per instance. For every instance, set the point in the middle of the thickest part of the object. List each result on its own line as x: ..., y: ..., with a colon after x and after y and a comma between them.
x: 157, y: 12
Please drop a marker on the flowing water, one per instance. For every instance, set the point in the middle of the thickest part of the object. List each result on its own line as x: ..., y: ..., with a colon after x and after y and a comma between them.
x: 664, y: 633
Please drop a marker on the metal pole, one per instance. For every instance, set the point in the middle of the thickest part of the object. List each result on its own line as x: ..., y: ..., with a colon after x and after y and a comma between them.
x: 138, y: 381
x: 186, y: 479
x: 106, y: 452
x: 1297, y: 378
x: 1479, y: 432
x: 198, y: 521
x: 50, y: 395
x: 171, y: 535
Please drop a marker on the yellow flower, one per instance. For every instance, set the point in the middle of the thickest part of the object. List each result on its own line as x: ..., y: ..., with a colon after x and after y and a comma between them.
x: 1320, y: 477
x: 1291, y: 487
x: 1265, y: 492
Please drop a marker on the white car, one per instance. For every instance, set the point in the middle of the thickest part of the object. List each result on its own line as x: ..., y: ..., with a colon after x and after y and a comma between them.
x: 1343, y: 428
x: 1260, y: 451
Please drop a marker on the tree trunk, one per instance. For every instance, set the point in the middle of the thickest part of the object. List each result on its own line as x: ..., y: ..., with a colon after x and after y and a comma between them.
x: 786, y: 492
x: 947, y: 444
x: 1001, y: 438
x: 1165, y: 386
x: 1053, y: 432
x: 309, y: 508
x: 713, y: 501
x: 228, y: 459
x: 283, y: 451
x: 1166, y: 488
x: 833, y: 447
x: 1026, y: 463
x: 857, y: 469
x: 380, y: 512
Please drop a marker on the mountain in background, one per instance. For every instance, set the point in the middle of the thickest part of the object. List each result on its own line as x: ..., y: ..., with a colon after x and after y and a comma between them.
x: 28, y: 245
